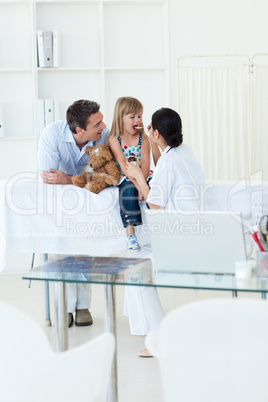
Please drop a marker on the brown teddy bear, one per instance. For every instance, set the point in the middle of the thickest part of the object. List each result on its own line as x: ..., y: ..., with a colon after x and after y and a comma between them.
x: 105, y: 171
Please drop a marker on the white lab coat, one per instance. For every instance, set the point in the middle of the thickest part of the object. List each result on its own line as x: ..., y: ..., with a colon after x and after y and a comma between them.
x: 178, y: 181
x: 176, y: 185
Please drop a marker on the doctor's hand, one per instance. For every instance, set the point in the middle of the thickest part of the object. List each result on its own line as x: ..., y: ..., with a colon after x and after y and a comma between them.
x: 141, y: 198
x: 56, y: 177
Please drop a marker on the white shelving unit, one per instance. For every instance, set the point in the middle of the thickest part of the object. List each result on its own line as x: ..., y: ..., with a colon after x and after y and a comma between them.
x: 107, y: 49
x: 17, y: 88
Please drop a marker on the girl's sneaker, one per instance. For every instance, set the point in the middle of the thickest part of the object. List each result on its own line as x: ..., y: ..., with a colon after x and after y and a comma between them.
x: 132, y: 243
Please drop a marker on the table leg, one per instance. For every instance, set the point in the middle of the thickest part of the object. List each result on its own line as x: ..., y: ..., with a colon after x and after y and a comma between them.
x: 47, y: 301
x: 263, y: 287
x: 110, y: 326
x: 47, y: 304
x: 61, y: 317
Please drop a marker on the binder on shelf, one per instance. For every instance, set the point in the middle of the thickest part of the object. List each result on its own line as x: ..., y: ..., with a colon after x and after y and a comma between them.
x: 40, y: 49
x: 49, y: 111
x: 55, y: 49
x: 45, y: 49
x: 1, y: 121
x: 48, y: 48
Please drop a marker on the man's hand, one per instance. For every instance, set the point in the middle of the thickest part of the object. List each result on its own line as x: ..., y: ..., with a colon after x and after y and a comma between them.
x: 56, y: 177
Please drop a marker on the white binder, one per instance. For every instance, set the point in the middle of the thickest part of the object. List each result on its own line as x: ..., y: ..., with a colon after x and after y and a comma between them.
x: 55, y: 49
x: 49, y: 111
x: 48, y: 50
x: 40, y: 49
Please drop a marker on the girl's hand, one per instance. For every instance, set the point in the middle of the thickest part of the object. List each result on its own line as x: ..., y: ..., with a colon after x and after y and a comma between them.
x: 133, y: 171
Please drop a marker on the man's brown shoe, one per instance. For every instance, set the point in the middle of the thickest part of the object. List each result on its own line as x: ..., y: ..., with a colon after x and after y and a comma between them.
x: 70, y: 319
x: 83, y: 317
x: 144, y: 353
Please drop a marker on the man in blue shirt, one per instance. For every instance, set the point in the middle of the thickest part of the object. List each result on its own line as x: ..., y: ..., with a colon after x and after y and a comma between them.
x: 61, y: 155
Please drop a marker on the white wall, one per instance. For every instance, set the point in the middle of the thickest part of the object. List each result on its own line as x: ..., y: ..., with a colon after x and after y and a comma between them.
x: 209, y: 27
x: 196, y: 27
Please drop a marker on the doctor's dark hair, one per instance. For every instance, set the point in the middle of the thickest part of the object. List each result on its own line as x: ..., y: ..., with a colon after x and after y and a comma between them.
x: 168, y: 124
x: 78, y: 113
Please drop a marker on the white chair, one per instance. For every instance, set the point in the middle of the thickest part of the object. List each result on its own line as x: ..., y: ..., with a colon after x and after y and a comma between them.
x: 31, y: 371
x: 227, y: 195
x: 259, y: 206
x: 250, y: 198
x: 214, y: 350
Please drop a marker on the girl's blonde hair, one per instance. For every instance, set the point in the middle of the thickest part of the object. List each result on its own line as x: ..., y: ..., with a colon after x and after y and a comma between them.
x: 123, y: 106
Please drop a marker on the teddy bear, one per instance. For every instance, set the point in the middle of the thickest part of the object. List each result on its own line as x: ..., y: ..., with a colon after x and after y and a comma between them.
x: 104, y: 170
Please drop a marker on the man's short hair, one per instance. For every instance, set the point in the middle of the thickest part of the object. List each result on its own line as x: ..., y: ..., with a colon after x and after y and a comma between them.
x: 78, y: 113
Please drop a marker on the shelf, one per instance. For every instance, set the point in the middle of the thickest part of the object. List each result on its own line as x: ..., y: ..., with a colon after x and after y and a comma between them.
x: 134, y: 3
x: 134, y: 68
x: 16, y: 48
x: 134, y: 46
x: 68, y: 2
x: 114, y: 52
x: 66, y: 69
x: 15, y: 3
x: 16, y: 70
x: 95, y: 2
x: 78, y: 48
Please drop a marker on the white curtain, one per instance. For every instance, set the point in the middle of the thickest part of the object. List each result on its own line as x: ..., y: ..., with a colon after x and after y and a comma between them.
x: 260, y: 120
x: 213, y: 102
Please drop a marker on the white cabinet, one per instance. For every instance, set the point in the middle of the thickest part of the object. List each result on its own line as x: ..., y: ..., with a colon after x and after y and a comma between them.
x: 135, y: 54
x: 107, y: 49
x: 78, y: 74
x: 17, y: 88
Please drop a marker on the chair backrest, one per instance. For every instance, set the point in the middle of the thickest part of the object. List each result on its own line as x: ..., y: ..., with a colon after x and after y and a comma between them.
x: 259, y: 206
x: 31, y: 371
x: 227, y: 195
x: 214, y: 350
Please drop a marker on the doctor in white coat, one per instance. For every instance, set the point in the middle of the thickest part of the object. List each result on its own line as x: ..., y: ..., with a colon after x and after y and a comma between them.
x: 176, y: 184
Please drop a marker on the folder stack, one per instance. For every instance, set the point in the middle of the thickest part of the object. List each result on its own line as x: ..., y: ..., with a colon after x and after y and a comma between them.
x: 48, y: 112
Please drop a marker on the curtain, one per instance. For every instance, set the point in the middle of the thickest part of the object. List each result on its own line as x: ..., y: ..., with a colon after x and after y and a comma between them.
x: 259, y: 142
x: 214, y: 104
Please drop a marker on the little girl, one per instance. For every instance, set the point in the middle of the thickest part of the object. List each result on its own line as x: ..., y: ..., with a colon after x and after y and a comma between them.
x: 129, y: 142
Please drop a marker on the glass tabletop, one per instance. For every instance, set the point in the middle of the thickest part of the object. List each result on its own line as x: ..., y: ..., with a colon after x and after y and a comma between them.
x: 139, y: 272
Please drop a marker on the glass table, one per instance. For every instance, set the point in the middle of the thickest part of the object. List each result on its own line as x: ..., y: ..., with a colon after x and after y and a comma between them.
x: 112, y: 271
